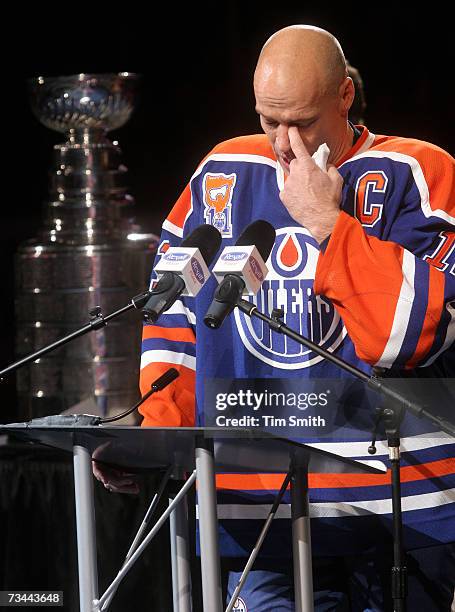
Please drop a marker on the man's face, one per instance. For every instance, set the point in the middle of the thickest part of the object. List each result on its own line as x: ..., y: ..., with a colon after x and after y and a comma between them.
x: 318, y: 117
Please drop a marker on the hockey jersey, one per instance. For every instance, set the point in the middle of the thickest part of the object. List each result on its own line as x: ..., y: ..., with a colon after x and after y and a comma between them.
x: 381, y: 294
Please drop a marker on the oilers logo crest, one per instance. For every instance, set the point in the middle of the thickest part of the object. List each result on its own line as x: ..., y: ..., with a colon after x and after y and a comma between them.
x: 289, y: 285
x: 218, y: 189
x: 239, y: 605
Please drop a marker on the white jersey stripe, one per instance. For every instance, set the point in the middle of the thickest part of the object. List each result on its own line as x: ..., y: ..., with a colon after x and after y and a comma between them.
x: 450, y: 336
x: 408, y: 444
x: 338, y: 509
x: 168, y: 357
x: 178, y: 308
x: 369, y: 141
x: 402, y: 313
x: 235, y: 157
x: 174, y: 229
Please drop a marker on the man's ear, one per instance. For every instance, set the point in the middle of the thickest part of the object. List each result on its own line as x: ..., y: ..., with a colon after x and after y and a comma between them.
x: 346, y: 93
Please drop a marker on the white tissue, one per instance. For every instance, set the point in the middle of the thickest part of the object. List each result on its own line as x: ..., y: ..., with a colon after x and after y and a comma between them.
x: 321, y: 156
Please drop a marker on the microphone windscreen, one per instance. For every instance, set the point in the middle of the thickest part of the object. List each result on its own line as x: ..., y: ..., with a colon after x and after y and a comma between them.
x: 165, y: 379
x: 260, y: 234
x: 207, y: 239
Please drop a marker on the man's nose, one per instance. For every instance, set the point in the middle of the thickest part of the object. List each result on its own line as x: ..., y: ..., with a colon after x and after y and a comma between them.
x: 282, y: 138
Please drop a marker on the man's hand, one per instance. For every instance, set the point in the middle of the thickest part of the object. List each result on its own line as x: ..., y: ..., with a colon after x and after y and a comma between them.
x: 312, y: 196
x: 116, y: 481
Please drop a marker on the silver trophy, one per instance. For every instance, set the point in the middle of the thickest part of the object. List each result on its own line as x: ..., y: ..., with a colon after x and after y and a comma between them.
x: 89, y: 253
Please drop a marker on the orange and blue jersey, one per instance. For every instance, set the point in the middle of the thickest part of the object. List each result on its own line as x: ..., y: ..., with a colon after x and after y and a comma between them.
x: 381, y: 294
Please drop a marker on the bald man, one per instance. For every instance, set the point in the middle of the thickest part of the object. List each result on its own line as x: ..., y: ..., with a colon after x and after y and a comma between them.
x: 363, y: 264
x: 303, y: 96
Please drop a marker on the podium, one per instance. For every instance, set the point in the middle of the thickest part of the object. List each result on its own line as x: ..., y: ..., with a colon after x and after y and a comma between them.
x: 199, y: 452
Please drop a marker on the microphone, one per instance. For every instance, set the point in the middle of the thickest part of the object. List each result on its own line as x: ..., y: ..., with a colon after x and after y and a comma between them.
x: 183, y: 270
x: 240, y: 270
x: 87, y: 420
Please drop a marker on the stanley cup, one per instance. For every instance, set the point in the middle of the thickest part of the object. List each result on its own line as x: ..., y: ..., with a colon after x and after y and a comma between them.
x: 88, y: 254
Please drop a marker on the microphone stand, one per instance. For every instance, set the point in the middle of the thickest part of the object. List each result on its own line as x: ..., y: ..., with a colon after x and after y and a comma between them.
x: 374, y: 382
x: 392, y: 416
x: 97, y: 321
x: 392, y: 412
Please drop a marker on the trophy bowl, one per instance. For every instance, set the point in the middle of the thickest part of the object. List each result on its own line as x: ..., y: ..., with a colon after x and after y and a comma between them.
x: 84, y: 101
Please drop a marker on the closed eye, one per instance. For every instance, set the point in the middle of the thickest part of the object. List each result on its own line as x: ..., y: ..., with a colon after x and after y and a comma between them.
x: 269, y: 122
x: 305, y: 124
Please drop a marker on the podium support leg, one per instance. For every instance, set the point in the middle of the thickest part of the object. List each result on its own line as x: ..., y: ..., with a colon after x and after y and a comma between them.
x: 301, y: 541
x: 85, y: 525
x: 180, y: 558
x: 208, y: 526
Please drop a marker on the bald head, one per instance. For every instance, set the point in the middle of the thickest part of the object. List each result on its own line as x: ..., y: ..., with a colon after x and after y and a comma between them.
x: 304, y: 53
x: 301, y: 80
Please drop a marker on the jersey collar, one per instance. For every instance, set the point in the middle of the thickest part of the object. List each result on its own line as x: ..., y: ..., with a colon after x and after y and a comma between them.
x: 361, y: 144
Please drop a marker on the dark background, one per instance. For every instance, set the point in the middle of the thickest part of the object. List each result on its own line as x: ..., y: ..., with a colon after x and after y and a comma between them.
x: 197, y: 64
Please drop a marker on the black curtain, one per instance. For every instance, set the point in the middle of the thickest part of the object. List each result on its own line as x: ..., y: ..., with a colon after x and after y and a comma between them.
x: 38, y: 532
